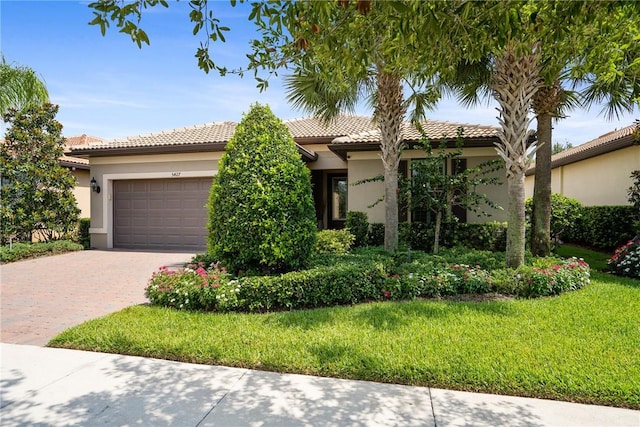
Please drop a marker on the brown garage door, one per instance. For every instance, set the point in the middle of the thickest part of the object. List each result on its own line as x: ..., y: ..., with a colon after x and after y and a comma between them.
x: 165, y: 214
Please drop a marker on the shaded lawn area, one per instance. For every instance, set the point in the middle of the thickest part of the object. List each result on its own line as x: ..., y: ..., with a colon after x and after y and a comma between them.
x: 581, y: 346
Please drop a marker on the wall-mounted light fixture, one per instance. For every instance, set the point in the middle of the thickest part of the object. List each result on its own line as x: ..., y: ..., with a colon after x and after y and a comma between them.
x: 94, y: 185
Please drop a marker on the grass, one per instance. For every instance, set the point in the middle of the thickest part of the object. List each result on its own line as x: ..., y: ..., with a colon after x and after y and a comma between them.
x: 581, y: 346
x: 597, y: 260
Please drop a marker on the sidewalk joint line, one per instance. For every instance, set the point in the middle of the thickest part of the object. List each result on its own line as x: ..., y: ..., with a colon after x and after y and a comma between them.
x: 215, y: 405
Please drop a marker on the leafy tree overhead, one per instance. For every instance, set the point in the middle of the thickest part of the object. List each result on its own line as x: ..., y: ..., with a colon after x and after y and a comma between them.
x: 261, y: 212
x: 36, y: 195
x: 20, y: 87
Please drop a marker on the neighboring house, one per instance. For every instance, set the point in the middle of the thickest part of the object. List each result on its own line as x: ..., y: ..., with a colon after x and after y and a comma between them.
x: 81, y: 172
x: 597, y: 173
x: 154, y: 187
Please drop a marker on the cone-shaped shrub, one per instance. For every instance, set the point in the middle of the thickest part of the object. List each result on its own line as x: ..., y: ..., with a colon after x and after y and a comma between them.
x: 261, y: 212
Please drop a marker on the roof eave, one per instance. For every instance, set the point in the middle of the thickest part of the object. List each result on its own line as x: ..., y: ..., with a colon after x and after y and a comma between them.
x: 341, y: 149
x: 579, y: 155
x: 154, y: 149
x: 74, y: 165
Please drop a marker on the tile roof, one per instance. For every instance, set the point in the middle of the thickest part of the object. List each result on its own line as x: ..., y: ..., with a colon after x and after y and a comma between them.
x: 311, y: 127
x: 81, y: 140
x: 198, y: 134
x: 606, y: 143
x: 343, y: 129
x: 434, y: 129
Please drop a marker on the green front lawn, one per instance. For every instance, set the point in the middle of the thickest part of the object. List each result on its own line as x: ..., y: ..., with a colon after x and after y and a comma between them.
x: 580, y: 346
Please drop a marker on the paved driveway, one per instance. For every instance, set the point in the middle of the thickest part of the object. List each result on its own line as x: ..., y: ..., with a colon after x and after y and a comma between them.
x: 43, y: 297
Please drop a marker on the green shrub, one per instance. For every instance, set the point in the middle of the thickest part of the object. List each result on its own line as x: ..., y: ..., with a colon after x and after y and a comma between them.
x: 261, y: 212
x: 376, y: 234
x: 83, y: 232
x: 565, y: 211
x: 484, y: 259
x: 358, y: 224
x: 20, y: 251
x: 367, y: 275
x: 334, y: 241
x: 603, y: 227
x: 343, y: 283
x: 488, y: 236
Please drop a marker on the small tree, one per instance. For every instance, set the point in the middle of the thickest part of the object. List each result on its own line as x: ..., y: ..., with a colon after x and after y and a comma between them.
x: 261, y: 212
x: 431, y: 187
x: 36, y: 195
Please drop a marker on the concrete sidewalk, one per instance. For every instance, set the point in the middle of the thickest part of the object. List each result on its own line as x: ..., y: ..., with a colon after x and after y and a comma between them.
x: 55, y: 387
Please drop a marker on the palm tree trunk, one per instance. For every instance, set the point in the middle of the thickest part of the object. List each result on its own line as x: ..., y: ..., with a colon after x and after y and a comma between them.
x: 514, y: 84
x: 516, y: 228
x: 541, y: 221
x: 390, y: 114
x: 546, y: 105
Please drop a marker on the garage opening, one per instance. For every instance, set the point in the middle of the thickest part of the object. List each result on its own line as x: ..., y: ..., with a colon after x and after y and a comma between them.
x: 166, y: 214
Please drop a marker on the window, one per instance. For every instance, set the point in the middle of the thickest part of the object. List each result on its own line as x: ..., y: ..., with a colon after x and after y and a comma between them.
x: 339, y: 198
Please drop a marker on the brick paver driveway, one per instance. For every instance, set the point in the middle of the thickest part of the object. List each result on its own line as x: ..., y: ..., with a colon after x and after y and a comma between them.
x: 43, y: 297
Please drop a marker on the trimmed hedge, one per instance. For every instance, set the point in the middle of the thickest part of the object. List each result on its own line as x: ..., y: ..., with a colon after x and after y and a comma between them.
x: 489, y: 236
x: 20, y: 251
x: 368, y: 275
x: 603, y: 227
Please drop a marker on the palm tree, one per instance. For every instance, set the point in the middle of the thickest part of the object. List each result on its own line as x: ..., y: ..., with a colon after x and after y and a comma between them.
x: 361, y: 57
x: 561, y: 63
x: 20, y: 87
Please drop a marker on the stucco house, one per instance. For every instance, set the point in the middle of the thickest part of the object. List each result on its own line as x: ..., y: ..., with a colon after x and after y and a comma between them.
x: 154, y: 187
x: 597, y: 173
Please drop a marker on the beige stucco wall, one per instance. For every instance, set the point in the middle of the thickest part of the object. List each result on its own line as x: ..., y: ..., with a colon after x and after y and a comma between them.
x: 108, y: 169
x: 364, y: 165
x: 327, y: 160
x: 82, y: 192
x: 598, y: 181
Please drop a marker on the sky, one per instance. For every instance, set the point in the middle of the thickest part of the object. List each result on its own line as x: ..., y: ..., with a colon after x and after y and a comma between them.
x: 109, y: 88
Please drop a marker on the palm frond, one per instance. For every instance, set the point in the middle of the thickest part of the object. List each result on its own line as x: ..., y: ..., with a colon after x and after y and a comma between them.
x: 322, y: 97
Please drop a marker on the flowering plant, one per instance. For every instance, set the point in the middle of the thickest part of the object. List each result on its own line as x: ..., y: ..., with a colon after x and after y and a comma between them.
x: 626, y: 260
x: 552, y: 277
x: 193, y: 287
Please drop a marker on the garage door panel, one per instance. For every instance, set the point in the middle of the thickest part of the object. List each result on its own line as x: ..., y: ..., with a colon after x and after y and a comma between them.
x: 161, y: 213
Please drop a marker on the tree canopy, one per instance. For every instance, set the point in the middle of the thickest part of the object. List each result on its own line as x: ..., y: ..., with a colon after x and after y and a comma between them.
x: 36, y: 195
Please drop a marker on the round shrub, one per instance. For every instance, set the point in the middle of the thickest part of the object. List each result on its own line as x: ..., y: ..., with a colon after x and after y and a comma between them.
x: 261, y: 212
x: 565, y: 211
x: 336, y: 242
